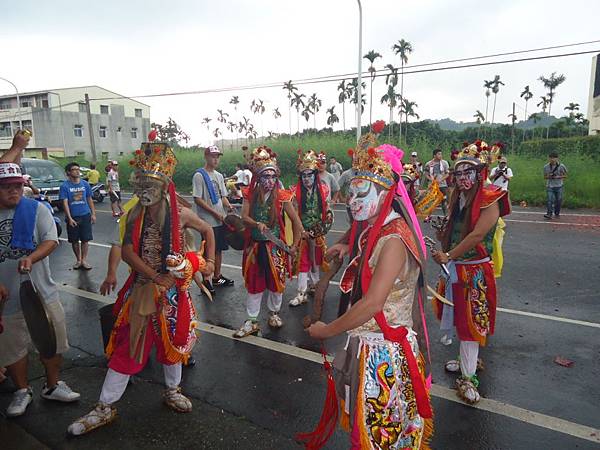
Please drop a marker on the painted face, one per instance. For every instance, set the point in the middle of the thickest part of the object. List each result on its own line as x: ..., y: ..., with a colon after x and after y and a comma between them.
x: 465, y: 176
x: 364, y: 200
x: 149, y: 194
x: 308, y: 179
x: 267, y: 180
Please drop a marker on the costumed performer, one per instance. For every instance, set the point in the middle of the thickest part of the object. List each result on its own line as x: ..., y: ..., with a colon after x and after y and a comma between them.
x: 312, y: 197
x: 466, y: 239
x: 265, y: 263
x: 154, y: 307
x: 380, y: 375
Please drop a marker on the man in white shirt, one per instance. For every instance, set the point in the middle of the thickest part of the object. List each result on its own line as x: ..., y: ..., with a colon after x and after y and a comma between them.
x: 501, y: 175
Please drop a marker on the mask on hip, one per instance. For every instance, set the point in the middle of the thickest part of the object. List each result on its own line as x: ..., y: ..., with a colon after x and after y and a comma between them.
x: 308, y: 179
x: 364, y: 199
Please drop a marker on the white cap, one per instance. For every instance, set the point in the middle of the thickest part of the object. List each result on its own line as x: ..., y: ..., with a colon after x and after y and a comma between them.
x: 414, y: 154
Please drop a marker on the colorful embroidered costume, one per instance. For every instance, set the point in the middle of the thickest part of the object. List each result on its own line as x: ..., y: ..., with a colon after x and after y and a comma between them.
x: 470, y: 285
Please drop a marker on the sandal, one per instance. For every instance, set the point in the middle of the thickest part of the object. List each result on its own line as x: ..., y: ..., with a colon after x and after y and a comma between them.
x: 452, y: 366
x: 275, y: 321
x: 101, y: 415
x: 467, y: 389
x: 175, y: 400
x: 249, y: 327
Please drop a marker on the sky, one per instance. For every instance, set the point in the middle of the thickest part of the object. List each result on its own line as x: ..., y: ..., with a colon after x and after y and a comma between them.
x: 150, y: 47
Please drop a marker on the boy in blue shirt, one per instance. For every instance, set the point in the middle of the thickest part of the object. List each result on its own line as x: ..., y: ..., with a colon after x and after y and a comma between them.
x: 80, y: 214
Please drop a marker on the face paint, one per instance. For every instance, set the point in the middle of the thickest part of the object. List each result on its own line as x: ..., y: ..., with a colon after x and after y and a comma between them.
x: 267, y: 180
x: 364, y: 200
x: 465, y: 176
x: 149, y: 194
x: 308, y: 179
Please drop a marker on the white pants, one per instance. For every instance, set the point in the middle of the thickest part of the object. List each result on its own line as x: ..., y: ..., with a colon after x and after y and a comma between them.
x: 115, y: 382
x: 253, y: 302
x: 304, y: 277
x: 469, y: 351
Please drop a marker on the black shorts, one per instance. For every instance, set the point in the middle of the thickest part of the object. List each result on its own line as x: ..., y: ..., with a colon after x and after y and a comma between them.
x: 83, y: 231
x: 115, y: 196
x: 220, y: 241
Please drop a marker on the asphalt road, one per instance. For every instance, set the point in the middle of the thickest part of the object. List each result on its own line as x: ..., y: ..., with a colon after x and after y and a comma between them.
x: 259, y: 392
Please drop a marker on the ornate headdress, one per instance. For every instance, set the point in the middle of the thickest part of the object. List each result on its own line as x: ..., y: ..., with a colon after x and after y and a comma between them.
x: 154, y: 160
x: 261, y: 159
x: 478, y: 153
x: 410, y: 173
x: 308, y: 161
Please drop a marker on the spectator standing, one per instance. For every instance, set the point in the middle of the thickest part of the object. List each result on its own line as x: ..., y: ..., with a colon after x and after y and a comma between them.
x: 414, y: 160
x: 27, y: 237
x: 335, y: 169
x: 248, y: 174
x: 328, y: 179
x: 93, y: 175
x: 80, y: 214
x: 501, y: 175
x: 555, y: 173
x: 210, y: 197
x: 439, y: 169
x: 114, y: 189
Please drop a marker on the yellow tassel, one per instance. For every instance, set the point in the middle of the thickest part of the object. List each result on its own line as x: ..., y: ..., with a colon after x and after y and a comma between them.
x: 365, y: 442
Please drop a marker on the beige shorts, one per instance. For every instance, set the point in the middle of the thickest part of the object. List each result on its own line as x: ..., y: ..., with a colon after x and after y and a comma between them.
x: 15, y: 341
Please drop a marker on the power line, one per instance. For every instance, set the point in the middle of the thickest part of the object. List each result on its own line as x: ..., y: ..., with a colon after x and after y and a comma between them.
x: 329, y: 80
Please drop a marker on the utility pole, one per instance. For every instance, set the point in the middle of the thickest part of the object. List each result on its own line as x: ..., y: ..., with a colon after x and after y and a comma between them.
x: 90, y: 129
x: 359, y: 87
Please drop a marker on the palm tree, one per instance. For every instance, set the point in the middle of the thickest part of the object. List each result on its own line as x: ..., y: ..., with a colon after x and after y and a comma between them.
x: 353, y: 94
x: 487, y: 84
x: 527, y: 95
x: 298, y: 103
x: 230, y: 127
x: 342, y: 97
x: 513, y: 119
x: 222, y: 116
x: 402, y: 48
x: 332, y: 117
x: 314, y: 104
x: 288, y: 86
x: 206, y: 123
x: 495, y: 89
x: 479, y: 118
x: 536, y: 117
x: 391, y: 79
x: 371, y: 56
x: 258, y: 107
x: 551, y: 83
x: 391, y: 98
x: 216, y: 133
x: 276, y: 115
x: 544, y: 102
x: 572, y: 108
x: 408, y: 108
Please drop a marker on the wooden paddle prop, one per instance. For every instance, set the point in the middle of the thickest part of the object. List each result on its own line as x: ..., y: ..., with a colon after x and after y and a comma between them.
x: 321, y: 290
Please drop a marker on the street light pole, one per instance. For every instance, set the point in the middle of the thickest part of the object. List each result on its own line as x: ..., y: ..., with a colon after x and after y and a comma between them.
x: 359, y: 87
x: 18, y: 102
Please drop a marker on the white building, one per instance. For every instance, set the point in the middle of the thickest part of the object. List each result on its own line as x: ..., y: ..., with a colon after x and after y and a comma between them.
x: 59, y: 122
x: 594, y: 100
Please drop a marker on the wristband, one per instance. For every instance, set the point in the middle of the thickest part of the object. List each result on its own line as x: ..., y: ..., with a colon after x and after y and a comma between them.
x: 210, y: 260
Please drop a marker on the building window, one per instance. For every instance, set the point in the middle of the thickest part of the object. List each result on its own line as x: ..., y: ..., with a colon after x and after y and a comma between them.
x: 82, y: 107
x: 103, y: 132
x: 5, y: 104
x: 27, y: 103
x: 45, y: 103
x: 134, y: 133
x: 5, y: 130
x: 78, y: 130
x: 138, y: 112
x: 104, y: 155
x: 120, y: 153
x: 80, y: 153
x: 27, y: 125
x: 103, y: 109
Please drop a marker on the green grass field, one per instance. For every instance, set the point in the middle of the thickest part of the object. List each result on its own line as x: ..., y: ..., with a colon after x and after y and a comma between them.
x: 582, y: 187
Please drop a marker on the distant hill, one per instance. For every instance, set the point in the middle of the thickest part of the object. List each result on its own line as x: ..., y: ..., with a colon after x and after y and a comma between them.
x: 451, y: 125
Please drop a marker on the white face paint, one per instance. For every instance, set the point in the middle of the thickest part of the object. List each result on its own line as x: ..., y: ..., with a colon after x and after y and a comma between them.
x: 465, y: 176
x: 149, y: 194
x: 364, y: 199
x: 308, y: 179
x: 267, y: 180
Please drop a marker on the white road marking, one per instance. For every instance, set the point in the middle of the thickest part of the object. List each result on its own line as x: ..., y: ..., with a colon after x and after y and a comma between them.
x: 504, y: 310
x: 486, y: 404
x: 550, y: 222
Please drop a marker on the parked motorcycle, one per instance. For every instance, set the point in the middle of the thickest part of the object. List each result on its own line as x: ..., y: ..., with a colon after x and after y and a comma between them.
x: 99, y: 192
x: 44, y: 201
